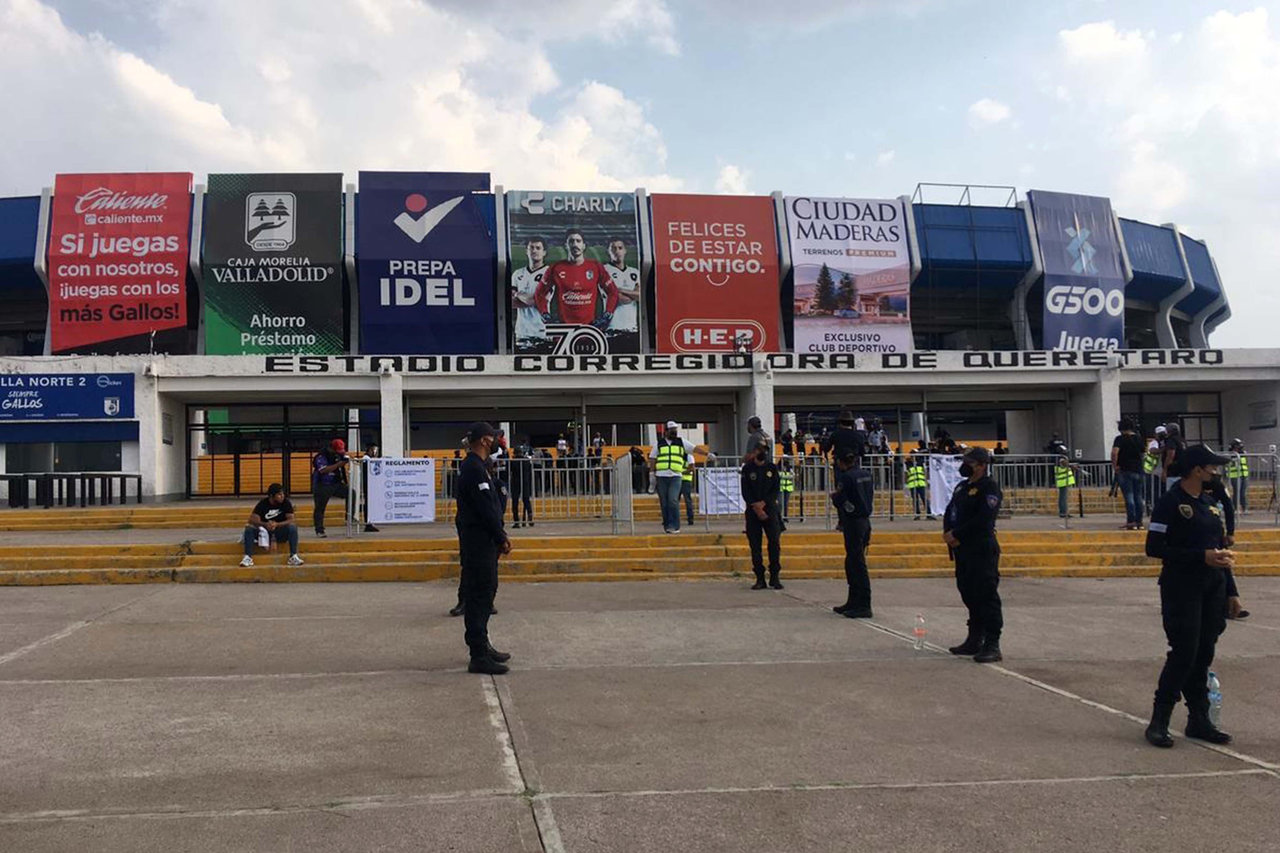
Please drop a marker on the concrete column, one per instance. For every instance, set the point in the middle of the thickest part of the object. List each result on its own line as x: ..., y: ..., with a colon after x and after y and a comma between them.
x: 395, y: 426
x: 755, y: 400
x: 146, y: 405
x: 1095, y: 409
x: 1020, y: 431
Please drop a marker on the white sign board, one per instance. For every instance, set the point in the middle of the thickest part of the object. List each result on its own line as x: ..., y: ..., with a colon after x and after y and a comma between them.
x: 944, y: 476
x: 720, y: 491
x: 401, y: 490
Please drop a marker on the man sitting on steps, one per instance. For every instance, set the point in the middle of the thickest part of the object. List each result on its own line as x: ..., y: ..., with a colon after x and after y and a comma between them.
x: 274, y: 515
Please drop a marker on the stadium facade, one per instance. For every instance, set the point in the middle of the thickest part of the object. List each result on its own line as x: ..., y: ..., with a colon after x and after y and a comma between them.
x: 146, y: 321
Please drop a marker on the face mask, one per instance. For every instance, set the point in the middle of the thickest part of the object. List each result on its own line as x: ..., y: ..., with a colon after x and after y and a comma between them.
x: 1213, y: 478
x: 671, y: 435
x: 966, y: 470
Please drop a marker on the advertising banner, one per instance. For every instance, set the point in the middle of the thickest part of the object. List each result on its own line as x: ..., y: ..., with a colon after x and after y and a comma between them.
x: 273, y: 264
x: 427, y: 261
x: 118, y: 254
x: 401, y: 490
x: 852, y: 274
x: 53, y: 396
x: 575, y: 272
x: 1083, y: 276
x: 716, y: 273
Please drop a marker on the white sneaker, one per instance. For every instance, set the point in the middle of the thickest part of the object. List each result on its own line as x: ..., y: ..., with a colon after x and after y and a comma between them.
x: 246, y: 562
x: 294, y: 560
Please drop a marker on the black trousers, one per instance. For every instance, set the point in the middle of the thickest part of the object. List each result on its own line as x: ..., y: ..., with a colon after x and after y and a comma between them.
x: 857, y: 533
x: 1194, y: 610
x: 520, y: 495
x: 978, y: 579
x: 772, y: 529
x: 477, y: 588
x: 321, y: 494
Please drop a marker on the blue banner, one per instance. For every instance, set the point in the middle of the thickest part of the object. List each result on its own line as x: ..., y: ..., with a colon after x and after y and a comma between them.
x: 427, y: 262
x: 1083, y: 276
x: 63, y: 396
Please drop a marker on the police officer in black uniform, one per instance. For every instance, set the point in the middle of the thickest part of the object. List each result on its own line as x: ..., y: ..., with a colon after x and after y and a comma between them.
x: 853, y: 497
x: 760, y: 490
x: 1187, y: 535
x: 481, y: 540
x: 969, y: 529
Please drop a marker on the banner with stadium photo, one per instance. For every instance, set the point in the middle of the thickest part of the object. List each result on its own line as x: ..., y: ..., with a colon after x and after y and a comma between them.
x: 427, y: 261
x: 716, y: 273
x: 852, y: 274
x: 1083, y: 275
x: 575, y: 272
x: 273, y: 264
x: 118, y: 255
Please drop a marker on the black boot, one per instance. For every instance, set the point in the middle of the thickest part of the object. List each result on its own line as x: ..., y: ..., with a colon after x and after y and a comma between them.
x: 971, y: 645
x: 1158, y: 729
x: 774, y: 583
x: 1200, y: 727
x: 487, y: 666
x: 500, y: 657
x: 456, y: 611
x: 759, y: 584
x: 990, y: 651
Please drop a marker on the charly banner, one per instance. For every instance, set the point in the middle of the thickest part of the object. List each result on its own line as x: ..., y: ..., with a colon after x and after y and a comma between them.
x: 118, y: 254
x: 852, y: 274
x: 427, y: 261
x: 273, y: 264
x: 575, y: 280
x: 1083, y: 277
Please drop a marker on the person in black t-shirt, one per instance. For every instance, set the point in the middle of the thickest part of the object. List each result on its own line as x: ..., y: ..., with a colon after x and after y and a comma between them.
x: 274, y: 514
x: 1126, y: 460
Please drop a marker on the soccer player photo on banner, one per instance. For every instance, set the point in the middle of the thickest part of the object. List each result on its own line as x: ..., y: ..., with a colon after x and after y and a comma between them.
x: 852, y: 274
x: 118, y: 255
x: 273, y: 264
x: 575, y: 272
x: 716, y: 273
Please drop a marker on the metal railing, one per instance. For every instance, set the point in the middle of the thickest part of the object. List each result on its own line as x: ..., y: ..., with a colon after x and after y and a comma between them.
x: 71, y: 488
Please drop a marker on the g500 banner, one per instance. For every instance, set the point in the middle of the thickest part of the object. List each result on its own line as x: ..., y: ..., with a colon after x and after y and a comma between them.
x: 118, y: 252
x: 1083, y: 278
x: 272, y: 264
x: 852, y: 274
x: 575, y: 280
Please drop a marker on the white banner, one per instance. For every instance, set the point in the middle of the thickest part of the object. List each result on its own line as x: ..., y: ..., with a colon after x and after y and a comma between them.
x: 720, y: 491
x: 852, y: 275
x: 944, y: 476
x: 401, y: 490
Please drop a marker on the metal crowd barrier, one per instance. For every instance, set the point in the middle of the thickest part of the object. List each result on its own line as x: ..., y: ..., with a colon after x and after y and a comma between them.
x: 79, y: 488
x: 570, y: 488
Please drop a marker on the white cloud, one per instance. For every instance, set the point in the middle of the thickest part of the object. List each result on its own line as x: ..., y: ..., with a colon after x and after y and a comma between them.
x: 1102, y: 42
x: 987, y: 111
x: 732, y: 180
x: 884, y: 158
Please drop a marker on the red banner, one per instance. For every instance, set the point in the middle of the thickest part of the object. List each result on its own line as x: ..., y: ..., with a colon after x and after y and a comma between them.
x: 118, y: 252
x: 716, y: 281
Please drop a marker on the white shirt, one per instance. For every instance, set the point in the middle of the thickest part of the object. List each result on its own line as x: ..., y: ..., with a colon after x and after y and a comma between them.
x: 653, y: 454
x: 626, y: 317
x: 529, y: 322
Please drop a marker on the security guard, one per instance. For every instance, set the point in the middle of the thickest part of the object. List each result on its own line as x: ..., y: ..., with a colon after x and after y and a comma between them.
x: 918, y: 482
x: 1187, y: 535
x: 854, y: 497
x: 481, y: 540
x: 1238, y: 474
x: 786, y: 485
x: 969, y: 529
x: 1064, y: 477
x: 686, y: 488
x: 760, y: 491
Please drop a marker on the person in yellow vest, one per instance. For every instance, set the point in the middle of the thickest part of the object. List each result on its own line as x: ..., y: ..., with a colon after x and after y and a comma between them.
x: 667, y: 462
x: 918, y: 480
x: 686, y: 488
x: 1151, y: 468
x: 1064, y: 477
x: 1238, y: 474
x: 786, y: 485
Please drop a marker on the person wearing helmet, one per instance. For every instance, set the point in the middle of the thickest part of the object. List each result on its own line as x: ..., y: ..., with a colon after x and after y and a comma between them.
x: 328, y: 480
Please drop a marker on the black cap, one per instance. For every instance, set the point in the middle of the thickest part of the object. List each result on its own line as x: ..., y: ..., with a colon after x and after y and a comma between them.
x: 275, y: 489
x: 1198, y: 455
x: 978, y: 454
x: 848, y: 457
x: 479, y: 430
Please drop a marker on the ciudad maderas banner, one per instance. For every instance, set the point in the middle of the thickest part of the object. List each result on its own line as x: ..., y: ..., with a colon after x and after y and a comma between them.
x: 118, y: 254
x: 575, y: 272
x: 716, y: 273
x: 427, y: 262
x: 273, y: 264
x: 852, y: 274
x: 1083, y: 277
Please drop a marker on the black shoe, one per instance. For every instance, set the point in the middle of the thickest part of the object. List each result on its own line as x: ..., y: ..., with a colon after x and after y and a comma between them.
x: 516, y: 524
x: 320, y: 534
x: 528, y: 524
x: 774, y: 583
x: 858, y: 613
x: 1200, y: 727
x: 971, y: 646
x: 493, y: 611
x: 369, y: 528
x: 990, y: 652
x: 500, y: 657
x: 456, y: 611
x: 841, y: 608
x: 487, y: 666
x: 759, y: 584
x: 1157, y: 733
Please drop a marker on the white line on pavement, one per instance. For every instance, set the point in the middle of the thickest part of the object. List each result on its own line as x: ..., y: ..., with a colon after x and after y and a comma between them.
x: 510, y: 766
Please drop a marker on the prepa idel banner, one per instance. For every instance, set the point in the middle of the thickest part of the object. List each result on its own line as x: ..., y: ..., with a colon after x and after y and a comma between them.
x: 427, y: 261
x: 118, y: 252
x: 575, y: 280
x: 272, y: 264
x: 716, y: 279
x: 1083, y: 278
x: 852, y: 274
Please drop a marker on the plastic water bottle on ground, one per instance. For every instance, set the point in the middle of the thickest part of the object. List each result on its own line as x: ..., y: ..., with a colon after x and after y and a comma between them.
x: 919, y: 631
x: 1215, y: 698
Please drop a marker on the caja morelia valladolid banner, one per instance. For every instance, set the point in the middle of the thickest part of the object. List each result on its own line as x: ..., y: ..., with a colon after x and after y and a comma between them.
x: 273, y: 264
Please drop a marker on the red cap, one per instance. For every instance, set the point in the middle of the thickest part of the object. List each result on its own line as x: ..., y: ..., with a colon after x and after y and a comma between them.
x: 339, y: 445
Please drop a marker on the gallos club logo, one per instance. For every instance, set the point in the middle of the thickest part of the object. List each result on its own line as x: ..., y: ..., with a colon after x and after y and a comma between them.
x: 111, y: 406
x: 270, y: 221
x: 417, y: 227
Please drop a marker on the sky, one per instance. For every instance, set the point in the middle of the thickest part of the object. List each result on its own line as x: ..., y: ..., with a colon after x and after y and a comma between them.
x: 1169, y: 108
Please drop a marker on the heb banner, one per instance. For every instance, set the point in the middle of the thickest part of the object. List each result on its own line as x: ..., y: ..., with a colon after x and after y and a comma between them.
x: 272, y: 264
x: 852, y: 274
x: 427, y: 261
x: 55, y: 396
x: 716, y: 284
x: 401, y: 490
x: 118, y: 253
x: 575, y: 280
x: 1083, y: 278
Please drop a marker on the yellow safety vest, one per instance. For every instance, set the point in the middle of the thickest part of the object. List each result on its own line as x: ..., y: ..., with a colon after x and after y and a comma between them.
x: 687, y: 476
x: 916, y: 477
x: 1064, y: 477
x: 786, y: 482
x: 1238, y: 467
x: 1149, y: 463
x: 670, y: 458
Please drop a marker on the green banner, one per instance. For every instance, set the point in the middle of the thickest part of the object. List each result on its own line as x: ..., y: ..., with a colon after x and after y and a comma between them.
x: 273, y: 264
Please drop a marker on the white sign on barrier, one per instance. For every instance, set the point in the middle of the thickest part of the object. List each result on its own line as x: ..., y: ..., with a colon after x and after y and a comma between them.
x: 720, y: 491
x: 401, y: 490
x: 944, y: 476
